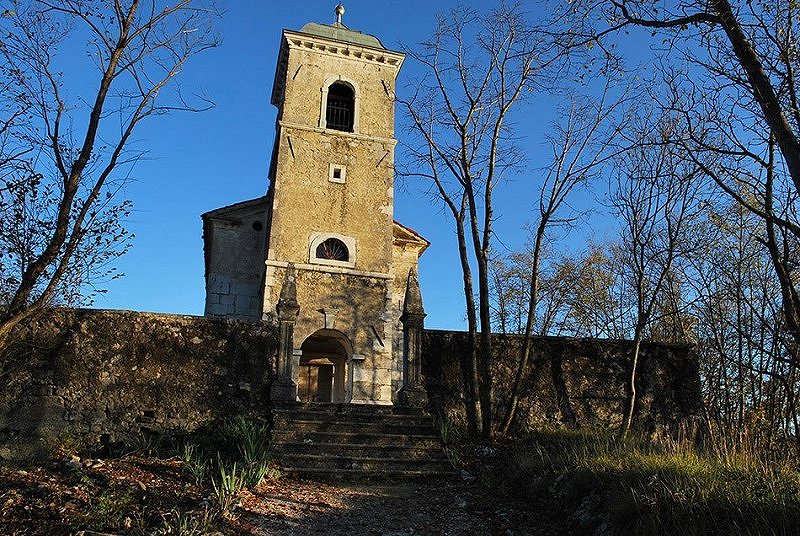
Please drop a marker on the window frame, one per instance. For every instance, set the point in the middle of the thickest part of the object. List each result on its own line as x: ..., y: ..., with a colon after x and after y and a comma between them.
x: 317, y: 239
x: 323, y: 104
x: 342, y: 173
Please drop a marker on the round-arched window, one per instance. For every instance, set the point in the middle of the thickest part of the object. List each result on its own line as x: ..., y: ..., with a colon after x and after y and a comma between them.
x: 333, y: 249
x: 340, y: 108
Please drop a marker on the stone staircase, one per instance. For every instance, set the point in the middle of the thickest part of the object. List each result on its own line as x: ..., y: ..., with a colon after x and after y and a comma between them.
x: 345, y: 442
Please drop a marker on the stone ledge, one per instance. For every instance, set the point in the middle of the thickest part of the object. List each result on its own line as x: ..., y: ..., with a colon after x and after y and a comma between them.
x: 331, y: 270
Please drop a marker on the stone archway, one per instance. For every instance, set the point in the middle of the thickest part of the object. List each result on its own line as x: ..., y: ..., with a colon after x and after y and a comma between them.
x: 322, y: 374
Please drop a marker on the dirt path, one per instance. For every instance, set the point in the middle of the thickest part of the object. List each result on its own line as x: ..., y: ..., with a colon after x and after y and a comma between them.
x: 136, y: 495
x: 449, y: 508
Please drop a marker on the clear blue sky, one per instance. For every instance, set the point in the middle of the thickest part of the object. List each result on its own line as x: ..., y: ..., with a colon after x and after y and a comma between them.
x: 198, y: 162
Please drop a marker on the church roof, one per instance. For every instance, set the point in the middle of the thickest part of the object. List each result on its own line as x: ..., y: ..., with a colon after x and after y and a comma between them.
x: 340, y: 32
x: 403, y: 234
x: 236, y: 208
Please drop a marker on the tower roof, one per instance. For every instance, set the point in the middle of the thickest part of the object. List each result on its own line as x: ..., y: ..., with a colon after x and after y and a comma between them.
x: 339, y: 32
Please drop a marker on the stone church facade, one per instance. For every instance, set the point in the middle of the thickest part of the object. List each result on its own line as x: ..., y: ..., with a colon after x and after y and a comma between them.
x: 320, y: 253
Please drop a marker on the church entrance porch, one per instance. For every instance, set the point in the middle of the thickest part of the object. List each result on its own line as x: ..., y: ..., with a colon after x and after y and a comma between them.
x: 322, y: 374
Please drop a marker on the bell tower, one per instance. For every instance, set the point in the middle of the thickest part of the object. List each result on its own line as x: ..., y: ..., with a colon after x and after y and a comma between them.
x: 331, y: 179
x: 331, y: 208
x: 324, y: 234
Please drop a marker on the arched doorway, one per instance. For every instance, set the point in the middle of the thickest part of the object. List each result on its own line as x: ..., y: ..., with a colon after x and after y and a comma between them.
x: 322, y: 375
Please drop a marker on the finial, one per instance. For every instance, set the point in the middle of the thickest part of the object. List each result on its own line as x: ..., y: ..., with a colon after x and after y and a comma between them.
x: 413, y: 300
x: 287, y: 306
x: 339, y: 12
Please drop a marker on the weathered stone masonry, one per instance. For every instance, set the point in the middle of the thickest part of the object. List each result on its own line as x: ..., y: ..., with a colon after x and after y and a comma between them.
x: 572, y: 381
x: 92, y: 376
x: 88, y: 376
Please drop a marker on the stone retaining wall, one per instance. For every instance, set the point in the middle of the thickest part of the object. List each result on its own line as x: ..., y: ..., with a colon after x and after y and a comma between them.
x: 572, y: 381
x: 88, y: 377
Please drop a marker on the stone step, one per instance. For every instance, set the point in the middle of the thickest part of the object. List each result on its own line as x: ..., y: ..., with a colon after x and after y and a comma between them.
x: 412, y: 452
x: 346, y: 462
x: 343, y: 442
x: 362, y: 477
x: 380, y: 427
x: 286, y: 416
x: 347, y: 409
x: 357, y: 438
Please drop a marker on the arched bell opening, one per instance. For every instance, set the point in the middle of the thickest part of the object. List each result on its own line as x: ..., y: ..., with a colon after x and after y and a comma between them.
x: 322, y: 376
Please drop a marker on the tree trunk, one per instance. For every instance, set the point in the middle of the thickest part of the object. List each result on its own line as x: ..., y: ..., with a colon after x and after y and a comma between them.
x: 637, y: 343
x: 525, y: 351
x: 762, y: 89
x: 469, y: 364
x: 486, y: 392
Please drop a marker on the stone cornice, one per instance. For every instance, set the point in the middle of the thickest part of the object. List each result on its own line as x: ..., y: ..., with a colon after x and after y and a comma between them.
x: 332, y: 132
x: 340, y: 49
x: 330, y: 269
x: 328, y: 47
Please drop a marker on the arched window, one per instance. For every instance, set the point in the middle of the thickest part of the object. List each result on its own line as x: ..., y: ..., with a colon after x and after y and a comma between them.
x: 330, y: 249
x: 340, y: 109
x: 333, y: 249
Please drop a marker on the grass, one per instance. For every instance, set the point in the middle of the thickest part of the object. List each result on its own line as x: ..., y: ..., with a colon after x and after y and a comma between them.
x: 235, y: 456
x: 226, y: 488
x: 639, y: 487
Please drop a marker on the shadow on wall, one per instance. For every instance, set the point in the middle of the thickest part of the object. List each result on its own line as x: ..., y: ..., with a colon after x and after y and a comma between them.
x: 360, y: 304
x: 571, y: 381
x: 92, y: 377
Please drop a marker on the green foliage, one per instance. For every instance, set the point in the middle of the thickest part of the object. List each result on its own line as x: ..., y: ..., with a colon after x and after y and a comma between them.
x: 449, y: 435
x: 226, y: 487
x: 66, y: 446
x: 195, y: 464
x: 639, y: 487
x: 445, y: 427
x: 147, y: 442
x: 237, y: 454
x: 109, y: 508
x: 186, y: 523
x: 175, y: 521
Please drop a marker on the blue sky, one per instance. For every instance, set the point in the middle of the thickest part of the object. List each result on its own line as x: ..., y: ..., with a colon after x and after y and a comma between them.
x: 198, y: 162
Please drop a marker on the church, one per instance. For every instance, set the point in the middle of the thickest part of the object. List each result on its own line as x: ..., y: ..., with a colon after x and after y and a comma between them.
x: 321, y: 251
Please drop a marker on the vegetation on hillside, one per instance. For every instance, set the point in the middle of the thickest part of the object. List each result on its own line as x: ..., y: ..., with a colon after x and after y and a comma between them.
x: 599, y: 484
x: 155, y: 485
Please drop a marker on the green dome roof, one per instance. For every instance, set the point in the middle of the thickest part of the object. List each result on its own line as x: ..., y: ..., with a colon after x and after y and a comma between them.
x: 342, y: 34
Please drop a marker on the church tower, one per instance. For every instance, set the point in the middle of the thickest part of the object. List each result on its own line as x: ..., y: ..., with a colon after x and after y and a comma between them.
x: 327, y: 218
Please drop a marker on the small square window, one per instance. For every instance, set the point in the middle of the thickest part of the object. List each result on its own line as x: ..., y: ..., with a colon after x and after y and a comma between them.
x: 337, y: 173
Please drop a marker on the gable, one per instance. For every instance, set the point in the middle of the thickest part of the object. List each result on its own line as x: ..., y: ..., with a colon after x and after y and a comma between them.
x: 408, y: 237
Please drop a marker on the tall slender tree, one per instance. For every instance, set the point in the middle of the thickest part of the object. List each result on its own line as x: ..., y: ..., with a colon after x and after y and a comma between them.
x: 478, y: 68
x: 65, y: 151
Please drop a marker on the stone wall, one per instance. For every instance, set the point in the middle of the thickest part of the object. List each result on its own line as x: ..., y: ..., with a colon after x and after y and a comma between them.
x: 89, y: 377
x: 235, y: 244
x: 571, y: 381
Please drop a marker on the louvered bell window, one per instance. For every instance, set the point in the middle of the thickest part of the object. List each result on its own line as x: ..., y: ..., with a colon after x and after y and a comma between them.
x: 341, y: 107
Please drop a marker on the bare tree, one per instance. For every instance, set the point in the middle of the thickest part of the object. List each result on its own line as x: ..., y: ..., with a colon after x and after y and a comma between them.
x: 61, y: 223
x: 730, y: 69
x: 750, y: 385
x: 581, y: 144
x: 656, y: 197
x: 478, y: 67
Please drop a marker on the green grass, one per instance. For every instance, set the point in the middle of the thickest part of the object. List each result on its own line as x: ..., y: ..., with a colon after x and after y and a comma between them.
x: 637, y: 487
